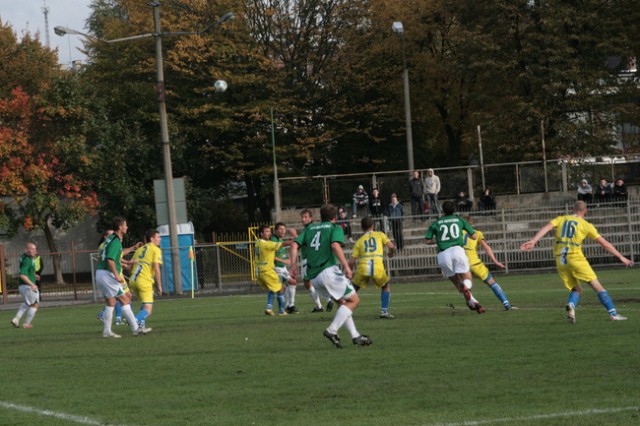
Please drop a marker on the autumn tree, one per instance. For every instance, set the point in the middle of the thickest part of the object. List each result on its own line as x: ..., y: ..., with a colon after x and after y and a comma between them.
x: 44, y: 158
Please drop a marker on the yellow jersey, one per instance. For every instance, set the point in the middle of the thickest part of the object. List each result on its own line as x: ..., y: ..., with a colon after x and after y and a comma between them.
x: 471, y: 247
x: 370, y: 246
x: 145, y: 257
x: 571, y: 230
x: 265, y: 252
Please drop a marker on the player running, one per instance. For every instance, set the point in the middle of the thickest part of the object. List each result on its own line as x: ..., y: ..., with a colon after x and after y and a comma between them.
x: 146, y: 272
x: 447, y: 233
x: 572, y: 265
x: 265, y: 251
x: 322, y: 245
x: 369, y: 253
x: 478, y: 268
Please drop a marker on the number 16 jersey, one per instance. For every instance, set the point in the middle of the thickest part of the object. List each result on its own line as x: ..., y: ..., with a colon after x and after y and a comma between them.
x: 571, y: 230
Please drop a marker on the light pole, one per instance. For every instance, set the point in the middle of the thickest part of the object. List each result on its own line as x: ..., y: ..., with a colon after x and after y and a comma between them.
x: 398, y: 28
x: 164, y: 123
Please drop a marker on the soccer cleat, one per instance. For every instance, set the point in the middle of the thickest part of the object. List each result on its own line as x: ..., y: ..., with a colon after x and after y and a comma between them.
x: 282, y: 313
x: 317, y: 309
x: 111, y: 335
x: 335, y: 339
x: 329, y: 306
x: 386, y: 315
x: 15, y: 323
x: 269, y: 312
x: 292, y: 310
x: 142, y: 330
x: 510, y: 308
x: 100, y: 316
x: 30, y: 326
x: 618, y: 317
x: 478, y: 308
x: 571, y: 314
x: 362, y: 340
x: 119, y: 321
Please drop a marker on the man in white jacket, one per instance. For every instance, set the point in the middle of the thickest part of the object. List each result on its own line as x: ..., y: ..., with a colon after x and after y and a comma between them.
x: 431, y: 190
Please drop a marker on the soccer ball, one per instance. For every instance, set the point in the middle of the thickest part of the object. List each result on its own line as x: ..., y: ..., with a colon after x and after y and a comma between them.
x: 220, y: 86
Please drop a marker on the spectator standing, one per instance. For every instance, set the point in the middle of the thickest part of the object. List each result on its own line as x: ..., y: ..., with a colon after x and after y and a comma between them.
x: 463, y: 203
x: 343, y: 221
x: 431, y: 190
x: 604, y: 191
x: 416, y: 189
x: 487, y: 201
x: 620, y: 193
x: 360, y: 201
x: 28, y: 288
x: 376, y: 205
x: 396, y: 216
x: 585, y: 192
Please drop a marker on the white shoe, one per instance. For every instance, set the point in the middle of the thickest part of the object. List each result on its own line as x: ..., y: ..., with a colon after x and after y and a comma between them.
x: 142, y: 330
x: 618, y: 317
x: 111, y: 335
x: 15, y: 323
x: 571, y: 314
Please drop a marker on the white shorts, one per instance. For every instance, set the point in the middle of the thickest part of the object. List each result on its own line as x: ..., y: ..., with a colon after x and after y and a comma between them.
x: 453, y: 261
x: 29, y: 296
x: 108, y: 285
x: 283, y: 273
x: 332, y: 282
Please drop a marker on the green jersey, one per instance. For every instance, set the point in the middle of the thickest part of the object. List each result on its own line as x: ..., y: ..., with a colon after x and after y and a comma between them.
x: 315, y: 242
x: 110, y: 249
x: 447, y: 231
x: 27, y: 268
x: 281, y: 253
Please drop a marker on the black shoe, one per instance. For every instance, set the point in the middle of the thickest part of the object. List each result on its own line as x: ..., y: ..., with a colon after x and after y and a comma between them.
x: 329, y: 306
x: 334, y: 339
x: 316, y: 309
x: 362, y: 340
x: 292, y: 310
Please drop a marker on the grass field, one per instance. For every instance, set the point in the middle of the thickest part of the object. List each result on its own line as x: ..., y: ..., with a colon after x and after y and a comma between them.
x: 220, y: 360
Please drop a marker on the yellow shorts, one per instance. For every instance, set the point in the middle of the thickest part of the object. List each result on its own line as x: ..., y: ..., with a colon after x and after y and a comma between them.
x: 370, y: 270
x: 143, y: 290
x: 480, y: 270
x: 575, y: 272
x: 269, y: 280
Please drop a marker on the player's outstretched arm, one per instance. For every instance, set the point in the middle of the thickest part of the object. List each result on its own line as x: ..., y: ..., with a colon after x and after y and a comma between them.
x: 487, y: 249
x: 293, y: 258
x: 541, y: 233
x: 611, y: 249
x: 337, y: 250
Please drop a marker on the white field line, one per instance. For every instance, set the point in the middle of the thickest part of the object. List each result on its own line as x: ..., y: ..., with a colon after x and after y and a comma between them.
x: 578, y: 413
x: 49, y: 413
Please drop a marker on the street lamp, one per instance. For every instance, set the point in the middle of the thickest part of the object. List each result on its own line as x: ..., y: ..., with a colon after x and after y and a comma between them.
x: 164, y: 124
x: 398, y: 28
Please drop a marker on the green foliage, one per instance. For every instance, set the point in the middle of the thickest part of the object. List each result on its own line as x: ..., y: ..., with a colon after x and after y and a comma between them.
x: 502, y: 367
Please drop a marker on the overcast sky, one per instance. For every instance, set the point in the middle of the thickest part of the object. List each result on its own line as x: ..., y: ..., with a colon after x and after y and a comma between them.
x: 27, y: 16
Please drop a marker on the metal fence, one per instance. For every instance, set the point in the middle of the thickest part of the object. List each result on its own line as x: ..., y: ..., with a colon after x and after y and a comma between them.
x: 227, y: 265
x: 559, y: 175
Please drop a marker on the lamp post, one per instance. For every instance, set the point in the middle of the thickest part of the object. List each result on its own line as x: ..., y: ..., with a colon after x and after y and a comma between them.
x: 398, y: 28
x: 164, y: 123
